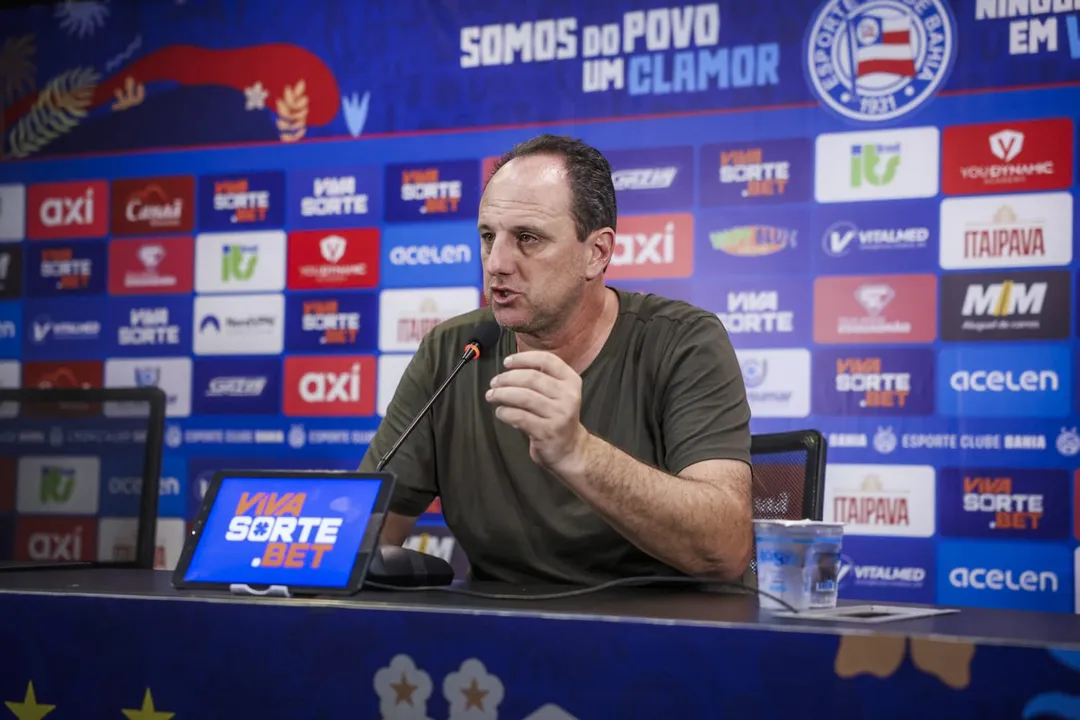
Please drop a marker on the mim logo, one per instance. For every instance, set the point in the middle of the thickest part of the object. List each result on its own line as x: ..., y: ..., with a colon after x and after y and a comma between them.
x: 1004, y: 298
x: 1007, y: 144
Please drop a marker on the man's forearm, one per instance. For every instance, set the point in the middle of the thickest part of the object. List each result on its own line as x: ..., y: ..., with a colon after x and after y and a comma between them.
x: 696, y: 526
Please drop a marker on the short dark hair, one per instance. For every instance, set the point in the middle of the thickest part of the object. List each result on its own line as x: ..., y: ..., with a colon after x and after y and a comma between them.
x: 592, y: 192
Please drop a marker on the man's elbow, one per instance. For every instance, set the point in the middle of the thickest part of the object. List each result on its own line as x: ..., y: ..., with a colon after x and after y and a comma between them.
x: 726, y: 561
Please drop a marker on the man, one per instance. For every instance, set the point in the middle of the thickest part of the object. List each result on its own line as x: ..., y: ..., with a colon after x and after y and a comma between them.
x: 607, y: 435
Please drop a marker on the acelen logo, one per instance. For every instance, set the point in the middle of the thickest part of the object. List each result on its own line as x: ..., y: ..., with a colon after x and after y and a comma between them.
x: 1003, y: 574
x: 1007, y: 157
x: 1028, y: 381
x: 153, y: 205
x: 875, y: 308
x: 67, y: 210
x: 330, y: 386
x: 151, y: 266
x: 339, y: 259
x: 1028, y: 504
x: 653, y: 246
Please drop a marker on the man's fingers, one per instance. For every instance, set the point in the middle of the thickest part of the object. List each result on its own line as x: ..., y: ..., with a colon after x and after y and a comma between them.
x: 549, y: 363
x: 532, y: 379
x: 524, y: 399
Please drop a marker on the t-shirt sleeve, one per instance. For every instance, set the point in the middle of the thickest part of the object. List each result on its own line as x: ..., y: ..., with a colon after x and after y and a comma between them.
x: 414, y: 463
x: 705, y: 413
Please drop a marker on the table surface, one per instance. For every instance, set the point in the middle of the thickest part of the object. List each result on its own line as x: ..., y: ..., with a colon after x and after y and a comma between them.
x: 674, y: 605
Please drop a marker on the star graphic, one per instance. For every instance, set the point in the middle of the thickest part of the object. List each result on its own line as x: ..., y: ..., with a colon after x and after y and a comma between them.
x: 29, y: 709
x: 255, y: 97
x: 147, y: 711
x: 474, y: 696
x: 404, y: 690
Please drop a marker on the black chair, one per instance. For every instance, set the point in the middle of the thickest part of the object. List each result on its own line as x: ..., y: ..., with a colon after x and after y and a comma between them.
x: 788, y: 476
x: 58, y: 440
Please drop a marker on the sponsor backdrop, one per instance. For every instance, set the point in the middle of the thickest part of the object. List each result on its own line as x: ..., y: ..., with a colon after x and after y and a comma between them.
x: 263, y: 213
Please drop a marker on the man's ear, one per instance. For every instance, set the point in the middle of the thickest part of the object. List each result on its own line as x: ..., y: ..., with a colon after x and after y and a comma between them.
x: 601, y: 246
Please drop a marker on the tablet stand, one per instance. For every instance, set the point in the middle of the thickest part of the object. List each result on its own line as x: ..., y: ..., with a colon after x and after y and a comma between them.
x: 270, y: 591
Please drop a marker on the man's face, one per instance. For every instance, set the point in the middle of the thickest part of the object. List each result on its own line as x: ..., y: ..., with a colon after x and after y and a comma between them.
x: 535, y: 267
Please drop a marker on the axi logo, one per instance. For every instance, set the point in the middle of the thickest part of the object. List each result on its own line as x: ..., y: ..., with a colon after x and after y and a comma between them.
x: 1033, y: 381
x: 1003, y: 574
x: 234, y: 202
x: 653, y: 246
x: 67, y: 210
x: 330, y: 386
x: 436, y: 191
x: 55, y: 539
x: 1027, y: 504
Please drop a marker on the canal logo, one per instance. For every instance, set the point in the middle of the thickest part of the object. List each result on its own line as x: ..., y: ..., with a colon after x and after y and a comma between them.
x: 881, y: 60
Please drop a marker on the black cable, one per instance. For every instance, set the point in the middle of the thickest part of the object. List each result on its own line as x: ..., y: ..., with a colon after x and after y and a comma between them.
x: 619, y: 582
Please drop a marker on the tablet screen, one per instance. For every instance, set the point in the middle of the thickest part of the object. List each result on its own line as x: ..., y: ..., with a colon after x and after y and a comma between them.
x: 299, y: 532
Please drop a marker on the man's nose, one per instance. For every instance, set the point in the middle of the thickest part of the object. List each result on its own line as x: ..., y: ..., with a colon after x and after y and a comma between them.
x: 500, y: 257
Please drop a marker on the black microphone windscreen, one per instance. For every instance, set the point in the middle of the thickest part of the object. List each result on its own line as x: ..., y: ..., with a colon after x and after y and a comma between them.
x: 485, y: 334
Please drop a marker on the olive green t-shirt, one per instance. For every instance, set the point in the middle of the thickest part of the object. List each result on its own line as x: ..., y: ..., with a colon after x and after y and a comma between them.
x: 665, y: 388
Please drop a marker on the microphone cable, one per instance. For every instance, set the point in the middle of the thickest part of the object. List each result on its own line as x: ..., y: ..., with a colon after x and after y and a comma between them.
x: 578, y: 592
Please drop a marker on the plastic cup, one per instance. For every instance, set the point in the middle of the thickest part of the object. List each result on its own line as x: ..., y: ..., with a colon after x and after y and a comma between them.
x: 798, y: 561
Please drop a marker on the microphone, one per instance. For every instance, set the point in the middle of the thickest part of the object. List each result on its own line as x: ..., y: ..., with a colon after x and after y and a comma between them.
x: 393, y: 566
x: 484, y: 336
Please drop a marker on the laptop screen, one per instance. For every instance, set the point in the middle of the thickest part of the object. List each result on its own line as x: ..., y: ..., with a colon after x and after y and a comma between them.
x: 298, y: 532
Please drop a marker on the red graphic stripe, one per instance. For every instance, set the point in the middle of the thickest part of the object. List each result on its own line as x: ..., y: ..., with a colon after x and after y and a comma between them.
x: 904, y: 68
x: 897, y: 37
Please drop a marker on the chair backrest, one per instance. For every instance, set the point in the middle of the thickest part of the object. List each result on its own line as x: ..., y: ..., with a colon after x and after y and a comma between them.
x: 788, y: 476
x: 81, y: 467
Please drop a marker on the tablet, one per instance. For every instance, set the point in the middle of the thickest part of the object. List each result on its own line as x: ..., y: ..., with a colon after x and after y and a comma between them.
x: 312, y: 531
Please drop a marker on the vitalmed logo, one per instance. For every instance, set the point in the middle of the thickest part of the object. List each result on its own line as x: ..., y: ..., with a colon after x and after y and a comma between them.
x: 154, y: 205
x: 339, y: 259
x: 251, y: 386
x: 143, y: 327
x: 406, y: 316
x: 875, y: 308
x: 1007, y: 231
x: 1028, y: 381
x: 242, y: 202
x: 330, y: 386
x: 57, y: 485
x: 777, y: 382
x: 435, y: 191
x: 1028, y: 504
x: 151, y: 266
x: 240, y: 262
x: 12, y: 213
x: 653, y: 246
x: 891, y: 237
x: 876, y: 165
x: 651, y: 179
x: 776, y: 171
x: 1022, y: 305
x: 57, y: 269
x: 890, y: 500
x: 11, y: 271
x: 61, y: 329
x: 887, y: 569
x: 1007, y: 157
x: 342, y: 322
x: 757, y: 313
x: 53, y: 539
x: 335, y: 197
x: 239, y: 325
x: 67, y: 210
x: 1008, y: 575
x: 874, y: 382
x: 171, y: 375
